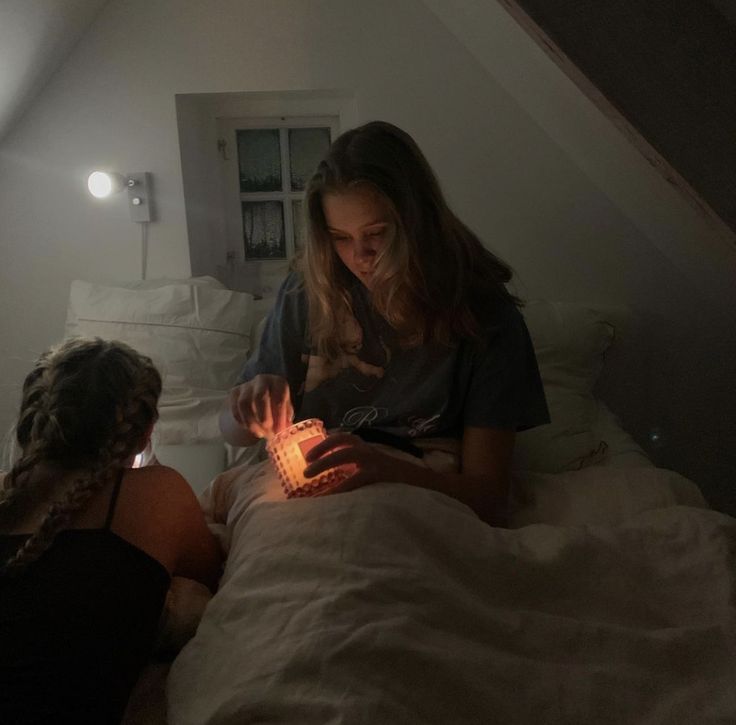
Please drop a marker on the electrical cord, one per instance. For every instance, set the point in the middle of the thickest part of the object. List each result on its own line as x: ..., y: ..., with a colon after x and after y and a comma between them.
x: 144, y: 249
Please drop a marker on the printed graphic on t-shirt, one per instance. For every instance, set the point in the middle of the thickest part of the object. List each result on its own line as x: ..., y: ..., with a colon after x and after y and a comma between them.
x: 319, y: 369
x: 421, y: 426
x: 414, y: 391
x: 363, y: 416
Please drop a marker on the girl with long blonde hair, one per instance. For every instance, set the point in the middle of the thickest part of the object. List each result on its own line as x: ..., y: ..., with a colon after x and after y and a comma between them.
x: 396, y: 327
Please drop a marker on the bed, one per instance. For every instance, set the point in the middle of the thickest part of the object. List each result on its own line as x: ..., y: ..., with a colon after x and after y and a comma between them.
x: 610, y: 599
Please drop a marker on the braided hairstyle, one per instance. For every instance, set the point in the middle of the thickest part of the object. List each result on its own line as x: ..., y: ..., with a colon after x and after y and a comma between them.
x: 86, y: 406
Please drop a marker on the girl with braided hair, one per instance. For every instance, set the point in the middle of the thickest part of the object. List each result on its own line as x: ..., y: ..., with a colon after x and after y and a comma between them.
x: 88, y: 545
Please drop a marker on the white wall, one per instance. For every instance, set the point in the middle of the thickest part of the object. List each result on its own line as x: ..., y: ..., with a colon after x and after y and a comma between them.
x: 35, y: 38
x: 113, y: 104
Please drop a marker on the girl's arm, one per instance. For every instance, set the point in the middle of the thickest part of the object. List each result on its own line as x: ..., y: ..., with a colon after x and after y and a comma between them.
x: 198, y: 552
x: 263, y: 400
x: 482, y: 483
x: 159, y: 513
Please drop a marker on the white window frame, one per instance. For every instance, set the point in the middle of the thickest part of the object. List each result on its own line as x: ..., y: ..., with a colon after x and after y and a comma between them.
x: 233, y: 219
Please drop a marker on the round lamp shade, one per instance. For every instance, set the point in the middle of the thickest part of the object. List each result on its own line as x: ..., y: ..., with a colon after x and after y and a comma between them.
x: 103, y: 183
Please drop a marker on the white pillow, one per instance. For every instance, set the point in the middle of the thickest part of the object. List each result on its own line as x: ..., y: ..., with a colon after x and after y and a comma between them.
x: 599, y: 495
x: 570, y: 341
x: 197, y: 334
x: 622, y: 450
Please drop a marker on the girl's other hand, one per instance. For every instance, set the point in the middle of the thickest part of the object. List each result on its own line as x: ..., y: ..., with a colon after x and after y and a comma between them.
x: 368, y: 464
x: 263, y: 405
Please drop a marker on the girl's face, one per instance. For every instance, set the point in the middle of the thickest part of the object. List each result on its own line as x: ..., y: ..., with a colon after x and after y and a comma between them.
x: 359, y: 222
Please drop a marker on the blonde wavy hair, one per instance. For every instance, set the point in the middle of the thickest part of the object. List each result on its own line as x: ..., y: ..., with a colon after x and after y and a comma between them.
x: 431, y: 280
x: 86, y: 406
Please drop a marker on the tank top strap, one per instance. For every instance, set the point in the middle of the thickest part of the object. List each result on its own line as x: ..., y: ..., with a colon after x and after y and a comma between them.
x: 114, y: 499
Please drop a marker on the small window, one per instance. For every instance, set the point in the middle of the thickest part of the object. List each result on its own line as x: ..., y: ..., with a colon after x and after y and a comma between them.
x: 259, y: 159
x: 268, y: 163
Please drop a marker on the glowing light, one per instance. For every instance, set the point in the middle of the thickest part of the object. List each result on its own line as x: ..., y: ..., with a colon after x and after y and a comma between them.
x: 287, y: 451
x: 101, y: 184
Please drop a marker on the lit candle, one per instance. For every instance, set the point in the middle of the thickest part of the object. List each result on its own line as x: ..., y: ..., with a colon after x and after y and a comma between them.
x: 287, y: 451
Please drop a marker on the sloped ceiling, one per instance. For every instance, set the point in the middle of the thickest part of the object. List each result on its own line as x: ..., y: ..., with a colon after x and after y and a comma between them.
x: 727, y: 8
x: 700, y: 246
x: 669, y: 70
x: 35, y: 38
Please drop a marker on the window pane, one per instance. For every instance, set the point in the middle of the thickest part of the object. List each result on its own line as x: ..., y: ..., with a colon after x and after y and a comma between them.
x: 300, y: 224
x: 263, y: 230
x: 307, y: 146
x: 259, y: 160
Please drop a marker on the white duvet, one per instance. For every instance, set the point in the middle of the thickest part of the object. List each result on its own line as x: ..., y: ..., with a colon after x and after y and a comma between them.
x: 393, y: 604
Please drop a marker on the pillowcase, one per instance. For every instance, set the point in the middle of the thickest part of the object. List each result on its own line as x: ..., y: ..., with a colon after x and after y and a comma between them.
x: 622, y: 451
x: 570, y: 342
x: 598, y: 496
x: 197, y: 334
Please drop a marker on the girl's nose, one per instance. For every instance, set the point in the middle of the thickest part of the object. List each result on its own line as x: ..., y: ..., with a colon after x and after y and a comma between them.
x: 364, y: 250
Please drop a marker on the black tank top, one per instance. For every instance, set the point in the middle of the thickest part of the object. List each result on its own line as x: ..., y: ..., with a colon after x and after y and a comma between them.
x: 77, y: 626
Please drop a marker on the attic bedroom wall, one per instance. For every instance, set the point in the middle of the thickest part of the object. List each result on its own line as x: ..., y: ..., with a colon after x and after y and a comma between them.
x: 112, y: 104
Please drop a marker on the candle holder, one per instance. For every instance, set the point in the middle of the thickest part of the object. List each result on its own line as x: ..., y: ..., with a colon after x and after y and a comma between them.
x: 287, y: 451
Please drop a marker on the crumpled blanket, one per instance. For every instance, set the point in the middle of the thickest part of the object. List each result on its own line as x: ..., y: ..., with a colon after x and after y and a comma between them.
x: 395, y: 604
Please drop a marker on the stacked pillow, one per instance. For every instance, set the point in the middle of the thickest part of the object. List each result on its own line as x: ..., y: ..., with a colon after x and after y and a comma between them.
x: 570, y: 342
x: 199, y: 334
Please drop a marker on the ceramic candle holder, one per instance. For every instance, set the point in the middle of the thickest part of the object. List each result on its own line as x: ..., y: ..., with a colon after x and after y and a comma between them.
x: 287, y: 451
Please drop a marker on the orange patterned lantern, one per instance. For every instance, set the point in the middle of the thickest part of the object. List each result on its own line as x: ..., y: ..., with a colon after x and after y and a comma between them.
x: 288, y: 449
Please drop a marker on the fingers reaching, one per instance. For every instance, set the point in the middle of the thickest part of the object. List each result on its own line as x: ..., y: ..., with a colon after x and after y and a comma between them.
x: 262, y: 405
x: 284, y: 411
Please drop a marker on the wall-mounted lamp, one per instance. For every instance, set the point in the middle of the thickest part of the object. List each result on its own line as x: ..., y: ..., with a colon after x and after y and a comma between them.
x: 102, y: 184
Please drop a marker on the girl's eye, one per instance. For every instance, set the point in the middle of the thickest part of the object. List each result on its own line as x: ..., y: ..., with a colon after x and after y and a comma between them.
x: 376, y: 234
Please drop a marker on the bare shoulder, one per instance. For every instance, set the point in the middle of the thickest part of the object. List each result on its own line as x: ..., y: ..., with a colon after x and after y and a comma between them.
x: 167, y: 520
x: 158, y: 481
x: 158, y: 512
x: 159, y: 495
x: 157, y: 472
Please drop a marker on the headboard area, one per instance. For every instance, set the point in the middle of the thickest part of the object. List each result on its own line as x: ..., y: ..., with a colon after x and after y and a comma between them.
x: 199, y: 333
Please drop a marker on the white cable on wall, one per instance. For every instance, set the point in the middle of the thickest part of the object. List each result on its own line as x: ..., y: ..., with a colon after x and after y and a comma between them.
x: 144, y: 248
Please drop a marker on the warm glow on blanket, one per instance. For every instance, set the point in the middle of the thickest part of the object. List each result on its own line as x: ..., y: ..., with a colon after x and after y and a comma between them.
x: 287, y: 450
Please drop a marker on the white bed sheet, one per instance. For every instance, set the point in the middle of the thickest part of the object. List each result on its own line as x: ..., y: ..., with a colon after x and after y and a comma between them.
x: 393, y: 604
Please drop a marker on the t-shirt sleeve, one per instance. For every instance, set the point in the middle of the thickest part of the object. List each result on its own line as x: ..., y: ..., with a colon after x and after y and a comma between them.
x: 505, y: 389
x: 283, y: 340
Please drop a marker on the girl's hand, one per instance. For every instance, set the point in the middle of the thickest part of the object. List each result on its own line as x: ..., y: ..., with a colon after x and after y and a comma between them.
x: 263, y: 405
x: 369, y: 465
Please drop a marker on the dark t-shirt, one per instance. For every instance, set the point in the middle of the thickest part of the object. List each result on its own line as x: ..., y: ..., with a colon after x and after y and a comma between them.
x: 76, y: 628
x: 426, y: 391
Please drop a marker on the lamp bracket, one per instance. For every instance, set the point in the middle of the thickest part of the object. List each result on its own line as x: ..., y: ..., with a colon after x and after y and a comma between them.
x: 140, y: 197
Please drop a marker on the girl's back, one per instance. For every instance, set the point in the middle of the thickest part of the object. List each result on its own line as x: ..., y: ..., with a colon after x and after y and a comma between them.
x: 87, y: 545
x: 78, y: 624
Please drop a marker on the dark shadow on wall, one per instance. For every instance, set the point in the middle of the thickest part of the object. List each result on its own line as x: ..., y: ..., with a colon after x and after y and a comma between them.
x: 671, y: 383
x: 669, y: 68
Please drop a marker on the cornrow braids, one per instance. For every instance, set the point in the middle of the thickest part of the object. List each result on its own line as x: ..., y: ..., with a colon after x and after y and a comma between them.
x: 12, y: 492
x: 35, y: 394
x: 58, y: 517
x: 86, y: 406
